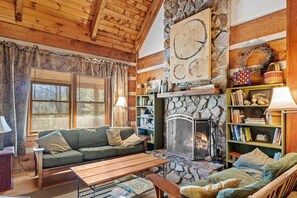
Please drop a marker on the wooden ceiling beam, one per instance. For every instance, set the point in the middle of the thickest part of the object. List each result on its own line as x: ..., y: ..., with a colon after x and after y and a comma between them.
x: 19, y: 10
x: 97, y: 18
x: 9, y: 30
x: 148, y: 22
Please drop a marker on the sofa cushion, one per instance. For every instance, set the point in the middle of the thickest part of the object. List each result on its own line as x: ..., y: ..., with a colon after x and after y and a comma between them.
x: 71, y: 136
x: 59, y: 159
x: 232, y: 173
x: 114, y: 137
x: 93, y: 153
x: 209, y: 191
x: 93, y: 138
x: 124, y: 150
x: 53, y: 143
x: 132, y: 140
x: 275, y: 169
x: 242, y: 192
x: 125, y: 131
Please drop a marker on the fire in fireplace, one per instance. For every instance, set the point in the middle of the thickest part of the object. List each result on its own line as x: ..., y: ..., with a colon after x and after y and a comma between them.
x: 188, y: 137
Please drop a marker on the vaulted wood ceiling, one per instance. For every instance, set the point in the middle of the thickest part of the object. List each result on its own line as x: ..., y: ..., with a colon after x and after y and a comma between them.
x: 117, y: 24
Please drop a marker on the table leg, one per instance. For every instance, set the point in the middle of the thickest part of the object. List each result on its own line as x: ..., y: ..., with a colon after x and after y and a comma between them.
x: 78, y: 183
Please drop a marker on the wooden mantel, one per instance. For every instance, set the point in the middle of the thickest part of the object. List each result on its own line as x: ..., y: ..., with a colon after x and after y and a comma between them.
x: 192, y: 92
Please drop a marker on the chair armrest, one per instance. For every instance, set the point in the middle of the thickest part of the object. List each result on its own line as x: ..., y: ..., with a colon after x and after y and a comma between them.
x: 38, y: 154
x: 145, y: 144
x: 163, y: 185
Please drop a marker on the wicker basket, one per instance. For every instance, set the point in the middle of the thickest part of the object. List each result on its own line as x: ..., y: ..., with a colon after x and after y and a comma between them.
x: 273, y: 74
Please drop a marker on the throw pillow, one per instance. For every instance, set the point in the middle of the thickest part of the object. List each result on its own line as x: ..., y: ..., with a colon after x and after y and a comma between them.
x: 209, y: 191
x: 255, y: 160
x: 114, y: 137
x: 132, y: 140
x: 53, y: 143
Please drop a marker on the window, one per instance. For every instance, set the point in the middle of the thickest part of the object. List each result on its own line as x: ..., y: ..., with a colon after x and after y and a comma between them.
x: 50, y: 106
x: 63, y: 100
x: 90, y: 102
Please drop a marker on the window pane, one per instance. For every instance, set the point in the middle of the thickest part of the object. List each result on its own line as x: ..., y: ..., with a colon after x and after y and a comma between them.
x: 90, y: 115
x: 45, y: 122
x: 50, y: 107
x: 90, y: 89
x: 50, y: 92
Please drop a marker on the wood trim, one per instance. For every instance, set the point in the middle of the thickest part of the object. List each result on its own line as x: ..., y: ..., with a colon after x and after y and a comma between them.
x: 35, y: 36
x: 96, y: 20
x: 108, y: 102
x: 151, y: 60
x: 291, y: 137
x: 266, y: 25
x: 19, y: 10
x: 74, y: 97
x: 147, y: 23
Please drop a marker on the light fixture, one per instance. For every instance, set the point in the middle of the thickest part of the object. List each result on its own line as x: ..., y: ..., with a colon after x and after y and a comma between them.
x: 282, y: 100
x: 121, y: 102
x: 4, y: 128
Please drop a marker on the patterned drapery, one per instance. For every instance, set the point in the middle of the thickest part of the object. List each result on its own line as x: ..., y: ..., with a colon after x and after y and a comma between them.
x: 16, y: 63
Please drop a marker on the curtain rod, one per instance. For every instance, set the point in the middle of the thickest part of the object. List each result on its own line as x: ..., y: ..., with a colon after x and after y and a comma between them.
x: 60, y: 50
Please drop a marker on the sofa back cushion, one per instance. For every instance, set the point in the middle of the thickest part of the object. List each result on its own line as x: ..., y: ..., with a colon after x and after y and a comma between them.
x: 275, y: 169
x: 71, y: 136
x: 93, y: 137
x: 125, y: 131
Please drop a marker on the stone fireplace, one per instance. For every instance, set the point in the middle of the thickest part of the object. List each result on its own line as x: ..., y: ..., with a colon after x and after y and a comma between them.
x: 188, y: 137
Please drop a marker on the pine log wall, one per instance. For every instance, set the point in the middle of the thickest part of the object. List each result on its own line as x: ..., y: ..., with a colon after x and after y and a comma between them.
x: 131, y: 97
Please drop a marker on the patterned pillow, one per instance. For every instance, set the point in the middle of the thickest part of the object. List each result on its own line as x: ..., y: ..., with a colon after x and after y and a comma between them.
x: 114, y: 137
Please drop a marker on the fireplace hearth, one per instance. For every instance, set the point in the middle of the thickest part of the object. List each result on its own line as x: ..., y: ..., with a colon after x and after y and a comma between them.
x: 189, y: 137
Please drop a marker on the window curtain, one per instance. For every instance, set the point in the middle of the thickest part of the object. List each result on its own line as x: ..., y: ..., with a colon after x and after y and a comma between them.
x: 15, y: 72
x: 16, y: 63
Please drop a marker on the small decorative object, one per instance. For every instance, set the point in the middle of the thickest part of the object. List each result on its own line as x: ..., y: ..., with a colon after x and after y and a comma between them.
x: 164, y: 86
x: 257, y: 112
x: 273, y: 74
x: 190, y: 48
x: 262, y: 137
x: 149, y: 102
x: 154, y: 86
x: 246, y: 102
x: 142, y: 88
x: 242, y: 77
x: 260, y: 97
x: 274, y: 117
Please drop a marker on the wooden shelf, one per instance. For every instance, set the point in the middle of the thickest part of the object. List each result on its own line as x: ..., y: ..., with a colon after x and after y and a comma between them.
x: 246, y: 106
x: 260, y: 144
x: 259, y: 86
x: 192, y: 92
x: 145, y: 117
x: 256, y: 125
x: 146, y: 106
x: 145, y: 128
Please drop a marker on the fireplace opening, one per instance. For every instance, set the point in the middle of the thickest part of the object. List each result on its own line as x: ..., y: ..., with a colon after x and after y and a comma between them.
x: 189, y: 137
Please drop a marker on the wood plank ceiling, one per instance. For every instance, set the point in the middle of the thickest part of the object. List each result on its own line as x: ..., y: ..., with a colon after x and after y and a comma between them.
x: 117, y: 24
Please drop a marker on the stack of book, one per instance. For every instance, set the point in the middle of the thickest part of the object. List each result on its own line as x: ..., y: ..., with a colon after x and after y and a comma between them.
x: 255, y: 121
x: 277, y: 138
x: 237, y: 116
x: 242, y: 134
x: 237, y: 97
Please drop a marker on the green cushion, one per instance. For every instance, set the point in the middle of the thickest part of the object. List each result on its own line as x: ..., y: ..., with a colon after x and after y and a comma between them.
x: 93, y: 138
x: 59, y: 159
x: 232, y: 173
x: 242, y: 192
x: 125, y: 131
x: 93, y: 153
x: 71, y: 136
x: 123, y: 150
x: 275, y: 169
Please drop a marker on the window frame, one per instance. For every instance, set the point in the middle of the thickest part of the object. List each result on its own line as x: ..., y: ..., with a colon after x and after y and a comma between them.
x: 72, y: 115
x: 31, y: 103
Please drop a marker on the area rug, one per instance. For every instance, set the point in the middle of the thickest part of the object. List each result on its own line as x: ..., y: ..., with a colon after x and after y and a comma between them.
x: 69, y: 191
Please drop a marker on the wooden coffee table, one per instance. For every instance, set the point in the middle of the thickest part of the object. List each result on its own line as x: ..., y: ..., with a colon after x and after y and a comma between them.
x: 97, y: 173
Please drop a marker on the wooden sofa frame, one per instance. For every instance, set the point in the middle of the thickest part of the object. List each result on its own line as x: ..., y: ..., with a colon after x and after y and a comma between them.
x: 281, y: 187
x: 43, y: 173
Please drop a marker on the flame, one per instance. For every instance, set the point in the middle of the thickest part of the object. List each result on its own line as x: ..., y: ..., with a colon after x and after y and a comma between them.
x: 203, y: 137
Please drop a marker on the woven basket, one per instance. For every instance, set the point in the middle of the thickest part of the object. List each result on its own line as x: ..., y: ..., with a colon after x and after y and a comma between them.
x: 273, y: 74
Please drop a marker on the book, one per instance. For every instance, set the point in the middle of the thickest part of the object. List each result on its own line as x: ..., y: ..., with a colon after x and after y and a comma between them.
x: 255, y: 121
x: 278, y: 137
x: 248, y: 134
x: 236, y: 129
x: 242, y: 135
x: 274, y: 136
x: 137, y: 186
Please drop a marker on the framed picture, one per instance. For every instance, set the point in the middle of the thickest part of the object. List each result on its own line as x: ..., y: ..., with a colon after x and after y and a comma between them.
x: 262, y: 137
x: 154, y: 86
x: 190, y: 48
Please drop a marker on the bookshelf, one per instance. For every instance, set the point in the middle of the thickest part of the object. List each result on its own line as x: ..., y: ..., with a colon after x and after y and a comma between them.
x: 149, y: 119
x: 271, y: 132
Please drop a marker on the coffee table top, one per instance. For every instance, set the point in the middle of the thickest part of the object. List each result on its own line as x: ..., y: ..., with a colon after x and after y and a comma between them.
x: 99, y: 172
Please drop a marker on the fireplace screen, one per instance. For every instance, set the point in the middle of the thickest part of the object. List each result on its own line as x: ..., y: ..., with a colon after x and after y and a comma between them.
x: 188, y: 137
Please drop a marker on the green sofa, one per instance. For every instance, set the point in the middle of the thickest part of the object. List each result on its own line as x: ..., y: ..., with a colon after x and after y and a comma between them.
x: 87, y: 146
